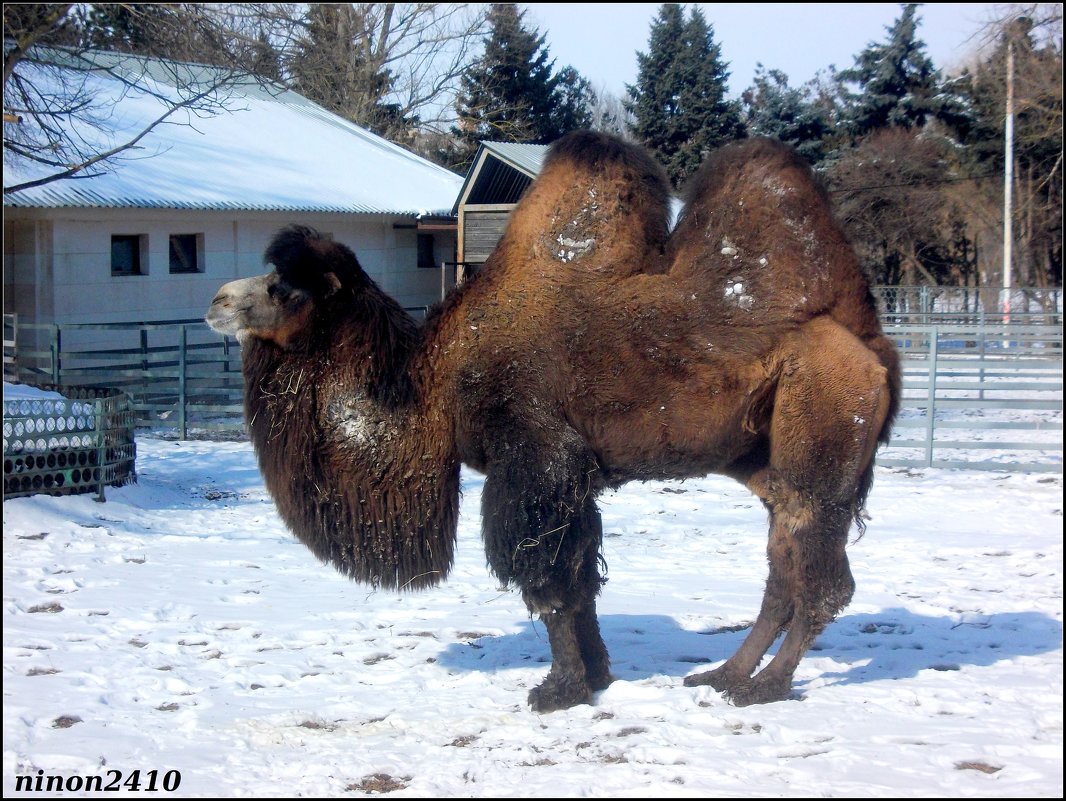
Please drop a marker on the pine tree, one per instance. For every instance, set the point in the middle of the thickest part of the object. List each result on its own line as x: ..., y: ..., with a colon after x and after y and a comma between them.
x: 119, y: 27
x: 679, y: 102
x: 511, y: 93
x: 898, y: 84
x: 572, y: 104
x: 773, y: 108
x: 653, y: 100
x: 329, y: 68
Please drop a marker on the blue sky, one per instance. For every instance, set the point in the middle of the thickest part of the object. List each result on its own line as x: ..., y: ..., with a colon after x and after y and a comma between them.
x: 601, y: 40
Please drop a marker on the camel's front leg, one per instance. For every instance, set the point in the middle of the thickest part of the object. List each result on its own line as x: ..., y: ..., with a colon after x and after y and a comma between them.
x: 543, y: 534
x: 567, y: 683
x: 593, y: 649
x: 566, y: 603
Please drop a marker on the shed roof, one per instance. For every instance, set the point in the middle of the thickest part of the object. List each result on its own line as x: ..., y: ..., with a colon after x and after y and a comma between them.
x: 501, y: 172
x: 270, y: 150
x: 526, y: 158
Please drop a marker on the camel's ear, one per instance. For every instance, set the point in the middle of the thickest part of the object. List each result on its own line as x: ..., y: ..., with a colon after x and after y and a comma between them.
x: 334, y: 284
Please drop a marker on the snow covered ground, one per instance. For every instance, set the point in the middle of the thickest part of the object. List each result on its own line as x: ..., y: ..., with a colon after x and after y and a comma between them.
x: 180, y: 628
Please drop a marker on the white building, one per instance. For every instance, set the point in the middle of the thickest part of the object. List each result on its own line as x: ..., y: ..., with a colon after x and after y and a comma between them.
x: 197, y: 202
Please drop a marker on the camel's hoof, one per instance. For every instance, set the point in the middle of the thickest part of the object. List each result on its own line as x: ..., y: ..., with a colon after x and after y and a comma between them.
x: 555, y: 694
x: 754, y: 691
x: 719, y: 678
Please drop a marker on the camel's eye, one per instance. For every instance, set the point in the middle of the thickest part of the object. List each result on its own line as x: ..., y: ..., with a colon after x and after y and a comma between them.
x: 277, y: 293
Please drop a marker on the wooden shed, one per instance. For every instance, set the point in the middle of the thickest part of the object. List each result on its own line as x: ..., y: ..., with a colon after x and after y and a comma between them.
x: 500, y: 174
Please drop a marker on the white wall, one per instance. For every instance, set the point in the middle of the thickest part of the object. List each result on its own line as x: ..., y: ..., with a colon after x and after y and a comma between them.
x: 28, y: 268
x: 57, y: 262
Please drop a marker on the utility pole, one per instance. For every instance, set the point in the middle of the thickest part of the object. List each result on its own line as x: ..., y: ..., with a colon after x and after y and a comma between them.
x: 1008, y: 178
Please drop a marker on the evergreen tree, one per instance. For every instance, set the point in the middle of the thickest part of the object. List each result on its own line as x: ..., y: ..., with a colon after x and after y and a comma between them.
x: 773, y: 108
x: 572, y: 104
x: 653, y: 101
x: 679, y: 105
x: 511, y: 93
x: 329, y: 68
x: 897, y: 84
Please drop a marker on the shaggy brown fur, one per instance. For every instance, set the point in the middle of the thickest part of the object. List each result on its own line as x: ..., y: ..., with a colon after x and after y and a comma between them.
x: 328, y: 399
x: 592, y: 349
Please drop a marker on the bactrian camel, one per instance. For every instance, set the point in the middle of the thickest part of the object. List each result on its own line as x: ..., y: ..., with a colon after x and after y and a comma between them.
x: 595, y: 347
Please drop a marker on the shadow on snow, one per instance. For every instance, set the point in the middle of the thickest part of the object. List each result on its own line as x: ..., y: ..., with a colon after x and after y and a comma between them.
x: 891, y: 644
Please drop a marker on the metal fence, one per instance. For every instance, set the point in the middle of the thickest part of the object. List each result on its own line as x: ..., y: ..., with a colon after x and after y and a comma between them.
x: 930, y: 305
x: 10, y: 373
x: 979, y: 394
x: 68, y: 440
x: 979, y: 397
x: 179, y: 375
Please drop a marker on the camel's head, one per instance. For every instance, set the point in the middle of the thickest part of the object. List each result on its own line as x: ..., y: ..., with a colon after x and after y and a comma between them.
x: 311, y: 276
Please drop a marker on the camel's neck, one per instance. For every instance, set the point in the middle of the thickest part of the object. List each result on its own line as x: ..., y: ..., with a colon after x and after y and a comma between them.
x: 360, y: 463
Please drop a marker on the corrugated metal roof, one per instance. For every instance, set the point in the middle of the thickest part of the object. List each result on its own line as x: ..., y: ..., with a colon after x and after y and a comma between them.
x: 273, y: 150
x: 501, y: 172
x: 526, y: 158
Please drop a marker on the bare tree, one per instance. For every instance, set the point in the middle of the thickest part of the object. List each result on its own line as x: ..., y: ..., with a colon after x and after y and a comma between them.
x: 610, y: 115
x: 889, y: 194
x: 1034, y: 32
x: 425, y: 47
x: 391, y: 67
x: 60, y: 94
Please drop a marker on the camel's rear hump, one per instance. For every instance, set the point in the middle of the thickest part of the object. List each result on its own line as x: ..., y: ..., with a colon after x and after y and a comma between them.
x: 758, y: 236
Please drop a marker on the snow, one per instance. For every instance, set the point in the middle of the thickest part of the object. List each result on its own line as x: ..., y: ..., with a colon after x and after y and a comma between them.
x: 735, y: 289
x: 180, y: 627
x: 22, y: 392
x: 263, y: 152
x: 30, y: 410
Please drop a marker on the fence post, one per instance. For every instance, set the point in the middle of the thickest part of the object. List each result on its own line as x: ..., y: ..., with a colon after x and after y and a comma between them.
x: 145, y: 373
x: 930, y: 420
x: 183, y: 420
x: 56, y: 348
x: 981, y: 353
x: 101, y: 448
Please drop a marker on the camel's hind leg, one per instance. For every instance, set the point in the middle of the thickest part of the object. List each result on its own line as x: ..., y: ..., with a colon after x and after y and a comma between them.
x: 774, y: 615
x: 831, y: 402
x: 809, y: 568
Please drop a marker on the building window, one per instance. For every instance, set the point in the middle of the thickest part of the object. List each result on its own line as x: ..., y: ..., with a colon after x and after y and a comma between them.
x: 128, y: 254
x: 425, y: 250
x: 186, y: 253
